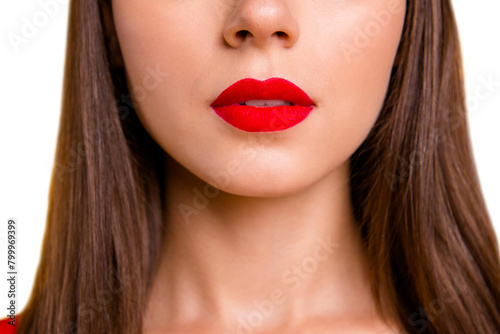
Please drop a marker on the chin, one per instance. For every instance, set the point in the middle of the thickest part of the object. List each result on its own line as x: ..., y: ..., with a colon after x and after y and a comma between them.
x: 272, y: 181
x: 262, y: 188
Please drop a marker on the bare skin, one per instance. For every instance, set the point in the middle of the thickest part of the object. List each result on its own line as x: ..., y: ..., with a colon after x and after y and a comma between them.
x: 290, y: 264
x: 260, y: 236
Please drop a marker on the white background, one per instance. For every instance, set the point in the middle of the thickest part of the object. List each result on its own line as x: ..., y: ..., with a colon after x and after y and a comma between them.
x: 31, y: 90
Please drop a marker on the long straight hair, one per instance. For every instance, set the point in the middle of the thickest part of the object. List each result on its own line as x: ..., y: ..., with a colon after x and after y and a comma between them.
x: 434, y: 260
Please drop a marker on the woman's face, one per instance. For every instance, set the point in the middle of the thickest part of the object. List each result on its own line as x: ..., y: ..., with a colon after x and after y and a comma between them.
x: 180, y: 55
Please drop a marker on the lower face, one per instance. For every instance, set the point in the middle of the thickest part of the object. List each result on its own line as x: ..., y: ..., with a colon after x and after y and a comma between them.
x: 181, y: 55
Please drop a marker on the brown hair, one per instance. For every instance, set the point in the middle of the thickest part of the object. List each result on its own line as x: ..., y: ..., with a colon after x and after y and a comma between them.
x: 434, y: 258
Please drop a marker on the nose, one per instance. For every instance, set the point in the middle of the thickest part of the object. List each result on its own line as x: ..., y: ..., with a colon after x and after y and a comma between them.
x: 261, y: 22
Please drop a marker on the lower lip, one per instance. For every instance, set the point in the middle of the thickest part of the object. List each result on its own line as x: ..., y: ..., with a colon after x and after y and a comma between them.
x: 263, y: 119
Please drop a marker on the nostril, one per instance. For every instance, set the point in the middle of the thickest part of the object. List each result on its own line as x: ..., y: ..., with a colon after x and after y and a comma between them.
x: 242, y: 34
x: 280, y: 33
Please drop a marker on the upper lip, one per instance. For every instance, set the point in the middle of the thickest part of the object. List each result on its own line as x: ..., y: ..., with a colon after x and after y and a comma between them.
x: 270, y: 89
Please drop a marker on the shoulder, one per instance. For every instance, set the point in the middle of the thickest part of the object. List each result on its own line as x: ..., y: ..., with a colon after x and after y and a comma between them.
x: 8, y: 326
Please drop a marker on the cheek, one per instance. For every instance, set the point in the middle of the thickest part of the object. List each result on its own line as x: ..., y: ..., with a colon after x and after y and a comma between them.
x: 163, y: 51
x: 359, y: 56
x: 165, y: 54
x: 367, y: 52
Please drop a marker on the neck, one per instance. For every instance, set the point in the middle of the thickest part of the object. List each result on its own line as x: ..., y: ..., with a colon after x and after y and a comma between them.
x: 282, y: 259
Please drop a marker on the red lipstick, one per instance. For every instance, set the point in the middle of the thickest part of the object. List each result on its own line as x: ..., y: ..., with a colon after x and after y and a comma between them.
x: 285, y: 105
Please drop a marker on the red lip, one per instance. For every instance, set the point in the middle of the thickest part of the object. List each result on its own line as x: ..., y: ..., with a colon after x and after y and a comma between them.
x: 263, y: 118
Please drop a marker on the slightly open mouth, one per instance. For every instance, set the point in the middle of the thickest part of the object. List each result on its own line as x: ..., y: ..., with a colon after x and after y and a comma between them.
x: 266, y: 103
x: 252, y: 105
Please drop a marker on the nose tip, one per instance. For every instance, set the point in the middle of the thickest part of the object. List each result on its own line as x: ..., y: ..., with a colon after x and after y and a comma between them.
x: 261, y: 23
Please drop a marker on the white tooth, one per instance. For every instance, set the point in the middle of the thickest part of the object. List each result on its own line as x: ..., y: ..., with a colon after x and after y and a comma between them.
x: 266, y: 103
